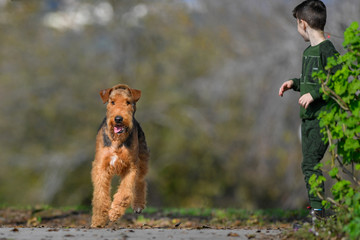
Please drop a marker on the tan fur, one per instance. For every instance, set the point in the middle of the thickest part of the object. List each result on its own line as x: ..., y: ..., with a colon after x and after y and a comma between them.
x: 125, y: 154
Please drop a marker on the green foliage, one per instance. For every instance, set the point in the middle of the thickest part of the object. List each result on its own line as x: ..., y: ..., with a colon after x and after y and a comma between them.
x: 341, y: 121
x: 341, y: 128
x: 316, y: 183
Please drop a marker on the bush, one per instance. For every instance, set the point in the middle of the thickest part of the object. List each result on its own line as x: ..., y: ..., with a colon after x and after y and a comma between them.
x: 341, y: 128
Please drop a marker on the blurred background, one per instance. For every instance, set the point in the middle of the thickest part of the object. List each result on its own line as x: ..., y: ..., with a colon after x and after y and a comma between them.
x: 209, y: 71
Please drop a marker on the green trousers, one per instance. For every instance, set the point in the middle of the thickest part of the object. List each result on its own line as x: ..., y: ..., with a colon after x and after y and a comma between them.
x: 313, y: 150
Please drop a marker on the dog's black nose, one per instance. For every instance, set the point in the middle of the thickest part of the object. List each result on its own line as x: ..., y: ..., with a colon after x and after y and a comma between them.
x: 118, y: 119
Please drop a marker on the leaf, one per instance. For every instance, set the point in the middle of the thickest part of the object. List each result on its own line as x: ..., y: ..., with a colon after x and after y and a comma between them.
x: 357, y: 167
x: 333, y: 172
x: 231, y: 234
x: 351, y: 144
x: 354, y: 86
x: 318, y: 166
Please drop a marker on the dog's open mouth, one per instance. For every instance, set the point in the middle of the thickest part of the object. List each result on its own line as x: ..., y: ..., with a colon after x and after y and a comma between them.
x: 119, y: 129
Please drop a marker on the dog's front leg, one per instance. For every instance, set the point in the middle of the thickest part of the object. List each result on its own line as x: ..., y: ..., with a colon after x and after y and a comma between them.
x: 123, y: 196
x: 139, y: 195
x: 139, y: 201
x: 101, y: 197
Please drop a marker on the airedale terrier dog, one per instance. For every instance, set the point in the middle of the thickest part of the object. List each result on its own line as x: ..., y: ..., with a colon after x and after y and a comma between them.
x: 120, y: 149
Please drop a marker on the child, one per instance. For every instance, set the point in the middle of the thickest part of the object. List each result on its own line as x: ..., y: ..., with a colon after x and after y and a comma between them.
x: 311, y: 19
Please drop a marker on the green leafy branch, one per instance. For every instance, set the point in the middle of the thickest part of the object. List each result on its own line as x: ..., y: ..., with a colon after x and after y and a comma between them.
x: 329, y: 92
x: 340, y: 124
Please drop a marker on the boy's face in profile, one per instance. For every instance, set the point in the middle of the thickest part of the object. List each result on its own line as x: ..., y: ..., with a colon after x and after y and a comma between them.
x: 301, y: 27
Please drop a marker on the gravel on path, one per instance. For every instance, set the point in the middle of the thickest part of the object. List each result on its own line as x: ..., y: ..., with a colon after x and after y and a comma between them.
x: 134, y: 234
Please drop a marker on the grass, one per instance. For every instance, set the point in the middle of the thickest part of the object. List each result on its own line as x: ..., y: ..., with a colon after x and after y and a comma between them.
x: 230, y: 213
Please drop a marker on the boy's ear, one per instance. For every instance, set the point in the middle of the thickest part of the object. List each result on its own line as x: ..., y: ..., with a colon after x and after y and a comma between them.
x: 303, y: 24
x: 104, y: 94
x: 136, y: 94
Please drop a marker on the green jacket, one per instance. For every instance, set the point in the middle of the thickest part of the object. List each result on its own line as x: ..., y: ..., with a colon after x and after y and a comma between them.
x: 314, y: 59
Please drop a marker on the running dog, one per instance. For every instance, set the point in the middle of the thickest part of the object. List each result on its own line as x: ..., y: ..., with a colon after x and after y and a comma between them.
x: 121, y: 149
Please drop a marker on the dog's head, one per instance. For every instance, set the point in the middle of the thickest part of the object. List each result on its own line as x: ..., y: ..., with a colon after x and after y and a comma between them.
x: 121, y: 108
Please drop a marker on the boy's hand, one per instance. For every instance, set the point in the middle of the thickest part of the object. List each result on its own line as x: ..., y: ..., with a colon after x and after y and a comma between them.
x: 285, y: 86
x: 305, y: 100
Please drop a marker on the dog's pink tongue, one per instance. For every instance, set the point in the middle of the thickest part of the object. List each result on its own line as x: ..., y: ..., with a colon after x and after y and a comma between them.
x: 117, y: 129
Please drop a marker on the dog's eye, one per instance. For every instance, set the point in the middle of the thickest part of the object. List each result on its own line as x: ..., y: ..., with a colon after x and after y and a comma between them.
x: 112, y: 102
x: 128, y: 103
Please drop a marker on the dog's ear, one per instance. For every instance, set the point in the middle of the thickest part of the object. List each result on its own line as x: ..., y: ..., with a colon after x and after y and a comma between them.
x: 104, y: 94
x: 136, y: 94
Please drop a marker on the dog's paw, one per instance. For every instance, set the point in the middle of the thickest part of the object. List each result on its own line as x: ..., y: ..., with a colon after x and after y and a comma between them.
x: 138, y: 210
x: 138, y: 207
x: 115, y: 214
x: 98, y: 223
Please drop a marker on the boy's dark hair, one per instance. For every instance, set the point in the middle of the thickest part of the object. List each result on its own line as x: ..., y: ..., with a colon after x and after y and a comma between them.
x: 313, y: 12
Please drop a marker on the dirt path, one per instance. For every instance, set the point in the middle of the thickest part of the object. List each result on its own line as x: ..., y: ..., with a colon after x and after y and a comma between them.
x: 134, y: 234
x: 75, y: 224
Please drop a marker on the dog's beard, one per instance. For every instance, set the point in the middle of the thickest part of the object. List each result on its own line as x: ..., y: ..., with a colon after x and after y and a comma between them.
x: 119, y: 132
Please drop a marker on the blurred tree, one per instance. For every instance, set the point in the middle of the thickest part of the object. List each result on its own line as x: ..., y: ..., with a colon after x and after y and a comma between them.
x: 209, y: 72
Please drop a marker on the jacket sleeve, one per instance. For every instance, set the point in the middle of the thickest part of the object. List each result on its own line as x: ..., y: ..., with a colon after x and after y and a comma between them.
x: 296, y: 85
x: 315, y: 92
